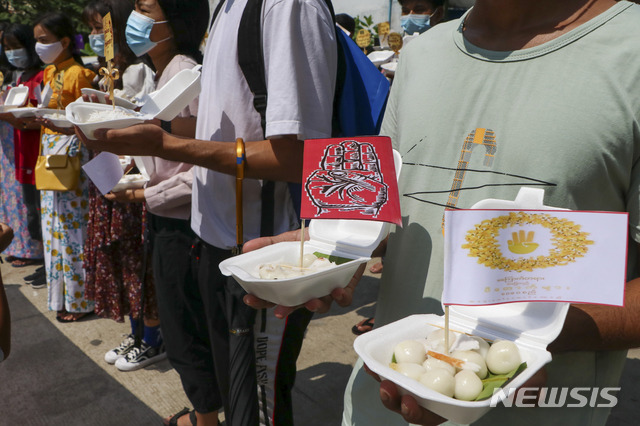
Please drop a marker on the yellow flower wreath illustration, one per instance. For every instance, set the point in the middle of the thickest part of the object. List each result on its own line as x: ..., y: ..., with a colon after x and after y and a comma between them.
x: 569, y: 242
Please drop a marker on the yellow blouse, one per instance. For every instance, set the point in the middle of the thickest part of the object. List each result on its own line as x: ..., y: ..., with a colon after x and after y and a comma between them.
x: 74, y: 77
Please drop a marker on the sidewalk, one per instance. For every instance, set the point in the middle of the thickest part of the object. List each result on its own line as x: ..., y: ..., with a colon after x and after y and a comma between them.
x: 56, y: 375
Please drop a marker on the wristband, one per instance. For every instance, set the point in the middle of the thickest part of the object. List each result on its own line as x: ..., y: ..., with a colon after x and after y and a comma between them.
x: 165, y: 125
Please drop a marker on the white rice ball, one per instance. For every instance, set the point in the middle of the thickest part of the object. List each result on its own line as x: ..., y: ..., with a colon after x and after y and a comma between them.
x: 468, y: 385
x: 412, y: 371
x: 440, y: 381
x: 503, y: 356
x: 474, y: 359
x: 432, y: 363
x: 411, y: 351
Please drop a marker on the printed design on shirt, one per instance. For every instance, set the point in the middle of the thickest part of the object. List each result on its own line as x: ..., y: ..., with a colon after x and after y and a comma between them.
x: 484, y: 137
x: 349, y: 179
x: 478, y: 137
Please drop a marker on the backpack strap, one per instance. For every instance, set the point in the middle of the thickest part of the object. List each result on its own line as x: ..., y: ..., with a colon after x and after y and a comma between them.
x: 251, y: 62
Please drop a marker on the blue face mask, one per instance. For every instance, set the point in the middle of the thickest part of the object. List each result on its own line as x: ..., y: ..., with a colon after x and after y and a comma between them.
x: 138, y: 31
x: 414, y: 23
x: 19, y: 58
x: 96, y: 41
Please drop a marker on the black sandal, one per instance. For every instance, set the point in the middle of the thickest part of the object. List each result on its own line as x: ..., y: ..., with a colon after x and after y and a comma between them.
x: 367, y: 324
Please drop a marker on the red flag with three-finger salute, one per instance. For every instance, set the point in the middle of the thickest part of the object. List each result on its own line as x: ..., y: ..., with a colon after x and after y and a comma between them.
x: 350, y: 178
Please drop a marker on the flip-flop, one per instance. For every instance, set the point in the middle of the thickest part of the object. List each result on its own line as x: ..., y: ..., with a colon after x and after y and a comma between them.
x: 77, y: 316
x: 173, y: 420
x: 367, y: 323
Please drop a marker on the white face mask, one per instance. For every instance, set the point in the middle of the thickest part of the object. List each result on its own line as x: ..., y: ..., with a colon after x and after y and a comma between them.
x: 49, y: 52
x: 19, y: 58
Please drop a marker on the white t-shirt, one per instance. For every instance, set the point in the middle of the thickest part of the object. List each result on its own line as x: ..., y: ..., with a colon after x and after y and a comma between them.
x: 300, y: 61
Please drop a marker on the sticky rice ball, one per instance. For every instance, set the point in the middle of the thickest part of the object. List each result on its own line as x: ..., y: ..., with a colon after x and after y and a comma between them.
x: 440, y: 381
x: 474, y: 359
x: 432, y: 363
x: 412, y: 371
x: 503, y: 356
x: 411, y: 351
x: 468, y: 385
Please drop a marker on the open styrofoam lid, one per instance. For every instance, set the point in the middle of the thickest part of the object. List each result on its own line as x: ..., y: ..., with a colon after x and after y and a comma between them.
x: 17, y: 96
x: 359, y: 237
x: 537, y: 322
x: 167, y: 102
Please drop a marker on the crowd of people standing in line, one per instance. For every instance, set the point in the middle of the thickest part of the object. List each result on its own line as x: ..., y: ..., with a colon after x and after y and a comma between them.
x: 152, y: 254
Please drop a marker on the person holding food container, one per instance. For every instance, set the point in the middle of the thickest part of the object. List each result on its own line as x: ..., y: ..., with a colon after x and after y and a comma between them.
x: 513, y: 90
x: 243, y: 343
x: 23, y: 205
x: 114, y: 250
x: 64, y: 212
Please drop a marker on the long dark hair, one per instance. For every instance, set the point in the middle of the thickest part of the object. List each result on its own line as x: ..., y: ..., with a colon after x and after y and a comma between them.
x: 120, y: 11
x: 24, y: 35
x: 61, y: 26
x: 188, y: 21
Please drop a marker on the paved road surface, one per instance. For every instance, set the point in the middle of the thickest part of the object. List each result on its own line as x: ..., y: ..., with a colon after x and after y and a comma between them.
x: 56, y: 375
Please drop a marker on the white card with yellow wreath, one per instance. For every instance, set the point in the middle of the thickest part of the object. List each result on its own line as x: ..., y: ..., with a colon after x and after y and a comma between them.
x: 504, y: 256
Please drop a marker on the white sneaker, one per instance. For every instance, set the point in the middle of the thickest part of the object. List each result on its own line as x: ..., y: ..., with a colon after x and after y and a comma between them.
x: 125, y: 346
x: 139, y: 357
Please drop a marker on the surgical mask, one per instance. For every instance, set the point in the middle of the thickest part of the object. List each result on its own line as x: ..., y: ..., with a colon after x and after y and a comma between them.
x: 49, y: 52
x: 414, y: 23
x: 96, y: 41
x: 19, y: 58
x: 138, y: 31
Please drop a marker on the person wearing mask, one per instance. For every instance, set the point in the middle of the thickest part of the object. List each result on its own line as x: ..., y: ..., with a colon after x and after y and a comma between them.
x: 299, y: 46
x: 114, y: 250
x: 21, y: 199
x: 417, y: 16
x: 64, y: 213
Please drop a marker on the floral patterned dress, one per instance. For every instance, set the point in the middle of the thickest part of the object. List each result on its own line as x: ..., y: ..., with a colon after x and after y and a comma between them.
x: 114, y: 259
x: 65, y: 213
x: 12, y: 209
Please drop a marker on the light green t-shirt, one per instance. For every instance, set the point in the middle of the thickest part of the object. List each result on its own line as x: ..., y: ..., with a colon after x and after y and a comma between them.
x: 472, y: 124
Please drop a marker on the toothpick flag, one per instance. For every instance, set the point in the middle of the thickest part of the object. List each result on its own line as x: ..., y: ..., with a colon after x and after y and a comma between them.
x: 350, y: 178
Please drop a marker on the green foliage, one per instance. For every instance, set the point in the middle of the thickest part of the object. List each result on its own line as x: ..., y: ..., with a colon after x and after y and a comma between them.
x: 366, y: 22
x: 27, y: 11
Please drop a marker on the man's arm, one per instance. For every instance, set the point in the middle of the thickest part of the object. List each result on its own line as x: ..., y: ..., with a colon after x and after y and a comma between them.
x: 277, y: 159
x: 600, y: 327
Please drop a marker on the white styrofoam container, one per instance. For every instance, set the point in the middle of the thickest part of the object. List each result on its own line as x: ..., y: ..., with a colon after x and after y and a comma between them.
x: 122, y: 102
x: 16, y: 97
x: 351, y: 239
x: 52, y: 115
x: 132, y: 181
x: 164, y: 104
x: 543, y: 322
x: 531, y: 325
x: 379, y: 57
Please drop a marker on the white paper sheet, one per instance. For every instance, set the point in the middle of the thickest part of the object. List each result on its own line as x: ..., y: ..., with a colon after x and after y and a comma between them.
x: 105, y: 171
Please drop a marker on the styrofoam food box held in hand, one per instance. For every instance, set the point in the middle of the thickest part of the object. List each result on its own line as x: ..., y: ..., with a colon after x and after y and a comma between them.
x: 56, y: 116
x: 91, y: 117
x: 164, y: 104
x: 350, y: 239
x: 122, y: 102
x: 541, y: 322
x: 532, y: 326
